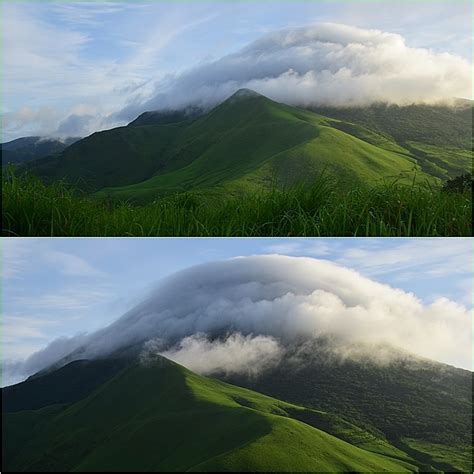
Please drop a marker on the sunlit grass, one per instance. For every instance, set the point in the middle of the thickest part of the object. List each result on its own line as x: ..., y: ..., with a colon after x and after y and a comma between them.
x: 32, y: 209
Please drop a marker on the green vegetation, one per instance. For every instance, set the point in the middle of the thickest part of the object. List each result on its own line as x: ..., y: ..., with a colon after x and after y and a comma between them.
x: 162, y: 417
x: 442, y: 126
x: 421, y: 407
x: 246, y: 144
x: 30, y: 208
x: 254, y: 167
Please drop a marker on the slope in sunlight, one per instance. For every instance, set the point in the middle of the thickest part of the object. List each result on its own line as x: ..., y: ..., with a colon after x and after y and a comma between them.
x: 162, y: 417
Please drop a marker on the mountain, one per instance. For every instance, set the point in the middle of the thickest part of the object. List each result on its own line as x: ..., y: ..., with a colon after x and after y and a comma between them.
x: 247, y: 143
x: 422, y: 407
x: 159, y: 416
x: 313, y: 411
x: 26, y: 149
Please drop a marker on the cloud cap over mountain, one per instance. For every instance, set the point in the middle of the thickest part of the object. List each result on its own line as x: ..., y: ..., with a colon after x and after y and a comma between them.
x: 279, y: 298
x: 324, y: 64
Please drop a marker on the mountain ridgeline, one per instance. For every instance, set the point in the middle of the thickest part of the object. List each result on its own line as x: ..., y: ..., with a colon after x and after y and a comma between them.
x: 250, y: 143
x: 27, y: 149
x: 150, y: 414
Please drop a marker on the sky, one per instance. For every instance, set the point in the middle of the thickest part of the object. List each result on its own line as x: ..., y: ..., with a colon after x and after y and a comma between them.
x: 54, y: 288
x: 74, y: 67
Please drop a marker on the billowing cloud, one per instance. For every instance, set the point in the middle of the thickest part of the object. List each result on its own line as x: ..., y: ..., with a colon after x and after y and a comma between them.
x: 288, y: 299
x: 235, y: 354
x: 323, y: 64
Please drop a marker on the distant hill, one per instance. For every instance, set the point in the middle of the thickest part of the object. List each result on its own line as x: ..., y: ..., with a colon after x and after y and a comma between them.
x: 430, y: 124
x: 248, y: 143
x: 23, y: 150
x: 439, y: 137
x: 162, y: 417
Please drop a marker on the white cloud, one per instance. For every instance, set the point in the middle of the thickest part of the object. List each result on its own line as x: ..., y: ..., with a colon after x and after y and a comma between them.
x: 322, y: 64
x: 236, y: 354
x: 285, y: 298
x: 47, y: 59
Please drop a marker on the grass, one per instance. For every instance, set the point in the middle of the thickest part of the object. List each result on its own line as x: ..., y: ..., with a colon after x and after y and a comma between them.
x: 31, y: 208
x: 162, y: 417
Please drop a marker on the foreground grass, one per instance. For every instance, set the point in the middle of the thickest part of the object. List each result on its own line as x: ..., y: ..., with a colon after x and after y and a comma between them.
x: 32, y: 209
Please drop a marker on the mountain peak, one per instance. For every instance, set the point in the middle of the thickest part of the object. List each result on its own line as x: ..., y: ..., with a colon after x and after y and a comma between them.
x: 244, y: 94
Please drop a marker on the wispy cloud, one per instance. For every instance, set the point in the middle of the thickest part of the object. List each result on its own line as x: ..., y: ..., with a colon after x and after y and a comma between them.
x: 24, y: 256
x: 72, y: 57
x: 21, y: 327
x: 402, y: 258
x: 439, y: 258
x: 67, y: 299
x: 313, y: 248
x: 69, y: 264
x: 15, y: 254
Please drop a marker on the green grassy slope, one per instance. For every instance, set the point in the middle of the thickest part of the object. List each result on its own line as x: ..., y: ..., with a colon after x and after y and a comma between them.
x: 427, y: 403
x: 434, y: 125
x: 246, y: 143
x: 114, y: 157
x: 251, y: 143
x: 438, y: 137
x: 163, y: 417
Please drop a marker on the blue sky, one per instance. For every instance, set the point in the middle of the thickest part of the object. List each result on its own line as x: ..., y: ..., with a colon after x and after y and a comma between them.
x: 61, y: 287
x: 67, y: 66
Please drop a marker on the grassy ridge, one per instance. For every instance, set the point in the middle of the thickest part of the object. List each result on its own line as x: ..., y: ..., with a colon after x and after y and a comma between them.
x: 245, y: 142
x: 162, y: 417
x: 249, y: 143
x: 32, y: 209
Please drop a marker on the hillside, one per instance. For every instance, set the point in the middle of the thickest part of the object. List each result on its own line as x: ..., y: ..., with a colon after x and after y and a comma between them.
x: 162, y: 417
x: 438, y: 137
x: 23, y: 150
x: 248, y: 143
x: 422, y: 407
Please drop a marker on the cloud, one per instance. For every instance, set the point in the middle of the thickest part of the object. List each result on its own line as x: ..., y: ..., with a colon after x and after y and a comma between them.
x: 69, y: 53
x: 15, y: 257
x: 69, y: 264
x: 68, y: 299
x: 323, y: 64
x: 436, y: 261
x: 288, y: 299
x: 22, y: 257
x: 236, y: 354
x: 75, y: 125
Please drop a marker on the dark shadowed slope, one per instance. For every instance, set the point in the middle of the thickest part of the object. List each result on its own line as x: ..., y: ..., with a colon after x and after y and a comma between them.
x: 68, y: 384
x: 162, y: 417
x: 23, y: 150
